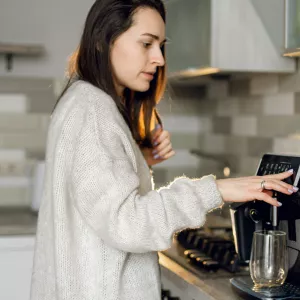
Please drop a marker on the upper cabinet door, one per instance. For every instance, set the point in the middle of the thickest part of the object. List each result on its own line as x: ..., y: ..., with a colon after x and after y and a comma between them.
x: 292, y: 28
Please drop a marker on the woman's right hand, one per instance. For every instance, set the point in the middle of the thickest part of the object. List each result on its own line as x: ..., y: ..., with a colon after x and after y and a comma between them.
x: 251, y: 188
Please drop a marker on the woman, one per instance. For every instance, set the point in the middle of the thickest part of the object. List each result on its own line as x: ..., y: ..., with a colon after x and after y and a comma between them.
x: 100, y: 222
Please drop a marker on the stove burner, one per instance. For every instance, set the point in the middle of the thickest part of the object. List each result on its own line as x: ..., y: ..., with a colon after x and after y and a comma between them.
x: 210, y: 251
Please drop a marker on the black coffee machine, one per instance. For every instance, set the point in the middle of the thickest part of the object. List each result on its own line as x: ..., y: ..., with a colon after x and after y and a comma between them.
x: 258, y: 215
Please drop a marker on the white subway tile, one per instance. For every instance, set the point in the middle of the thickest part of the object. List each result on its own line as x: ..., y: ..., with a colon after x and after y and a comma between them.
x: 281, y: 104
x: 236, y: 145
x: 14, y: 197
x: 279, y: 126
x: 251, y: 105
x: 182, y: 158
x: 239, y: 87
x: 23, y: 84
x: 182, y: 124
x: 12, y: 154
x: 205, y: 124
x: 244, y: 126
x: 289, y: 82
x: 14, y: 181
x: 16, y: 168
x: 15, y: 122
x: 249, y: 165
x: 287, y: 145
x: 217, y: 89
x: 41, y: 101
x: 227, y: 107
x: 264, y: 84
x: 214, y: 144
x: 186, y: 124
x: 28, y: 141
x: 16, y: 103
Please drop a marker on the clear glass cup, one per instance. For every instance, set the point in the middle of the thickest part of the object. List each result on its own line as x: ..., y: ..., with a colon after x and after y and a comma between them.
x: 268, y: 261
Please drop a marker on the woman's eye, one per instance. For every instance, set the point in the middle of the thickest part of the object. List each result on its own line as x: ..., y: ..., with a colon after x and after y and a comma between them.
x: 146, y: 45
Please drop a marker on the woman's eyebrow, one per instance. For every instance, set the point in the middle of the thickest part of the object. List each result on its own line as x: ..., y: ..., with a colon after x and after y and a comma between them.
x: 156, y: 37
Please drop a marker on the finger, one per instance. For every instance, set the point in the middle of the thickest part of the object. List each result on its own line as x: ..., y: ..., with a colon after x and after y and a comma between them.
x: 165, y: 147
x: 164, y: 135
x: 286, y: 185
x: 266, y: 198
x: 280, y: 176
x: 169, y: 154
x: 165, y: 143
x: 166, y: 150
x: 276, y: 186
x: 156, y: 132
x: 283, y: 184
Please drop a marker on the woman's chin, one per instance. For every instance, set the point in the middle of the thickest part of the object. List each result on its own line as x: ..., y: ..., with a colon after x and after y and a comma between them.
x: 143, y: 87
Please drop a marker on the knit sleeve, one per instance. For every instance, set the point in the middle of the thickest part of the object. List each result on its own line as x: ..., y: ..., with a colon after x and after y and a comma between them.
x: 104, y: 187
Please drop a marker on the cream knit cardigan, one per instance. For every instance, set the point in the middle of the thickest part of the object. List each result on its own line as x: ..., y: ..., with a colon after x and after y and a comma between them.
x: 100, y: 222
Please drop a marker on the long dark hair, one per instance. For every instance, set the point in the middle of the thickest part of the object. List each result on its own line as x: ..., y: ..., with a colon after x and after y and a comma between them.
x: 106, y: 21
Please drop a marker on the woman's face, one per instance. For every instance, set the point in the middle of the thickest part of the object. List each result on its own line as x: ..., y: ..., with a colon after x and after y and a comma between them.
x: 136, y: 54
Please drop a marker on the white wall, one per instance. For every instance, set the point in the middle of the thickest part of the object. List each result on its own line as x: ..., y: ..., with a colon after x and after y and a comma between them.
x: 57, y: 24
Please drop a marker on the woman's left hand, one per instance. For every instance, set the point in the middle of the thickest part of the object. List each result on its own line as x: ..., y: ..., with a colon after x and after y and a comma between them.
x: 162, y: 149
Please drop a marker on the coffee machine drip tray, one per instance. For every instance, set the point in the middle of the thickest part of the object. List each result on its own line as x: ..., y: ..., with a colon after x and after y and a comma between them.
x: 244, y: 287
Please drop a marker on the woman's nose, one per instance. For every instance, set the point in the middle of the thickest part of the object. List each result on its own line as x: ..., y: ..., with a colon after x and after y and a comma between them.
x: 158, y: 58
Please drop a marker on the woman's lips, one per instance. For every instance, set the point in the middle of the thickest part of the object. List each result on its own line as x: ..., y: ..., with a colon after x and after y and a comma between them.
x: 148, y: 76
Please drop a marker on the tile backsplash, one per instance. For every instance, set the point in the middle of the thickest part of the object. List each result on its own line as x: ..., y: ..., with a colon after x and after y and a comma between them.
x: 25, y: 107
x: 237, y: 120
x: 234, y: 120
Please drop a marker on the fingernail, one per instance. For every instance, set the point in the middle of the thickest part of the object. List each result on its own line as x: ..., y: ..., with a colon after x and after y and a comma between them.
x: 295, y: 188
x: 290, y: 191
x: 154, y: 151
x: 156, y: 156
x: 155, y: 143
x: 157, y: 126
x: 291, y: 171
x: 279, y: 203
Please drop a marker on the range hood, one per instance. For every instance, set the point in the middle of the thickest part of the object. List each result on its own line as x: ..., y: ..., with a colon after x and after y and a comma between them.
x: 225, y: 36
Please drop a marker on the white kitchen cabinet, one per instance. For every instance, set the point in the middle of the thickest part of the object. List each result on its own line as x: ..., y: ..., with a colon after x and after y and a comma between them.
x: 16, y: 258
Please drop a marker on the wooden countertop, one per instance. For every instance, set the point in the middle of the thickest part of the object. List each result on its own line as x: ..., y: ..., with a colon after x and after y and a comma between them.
x: 212, y: 286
